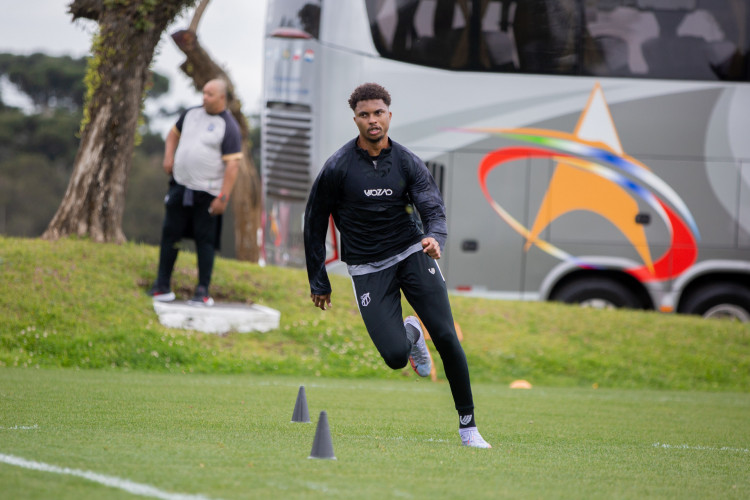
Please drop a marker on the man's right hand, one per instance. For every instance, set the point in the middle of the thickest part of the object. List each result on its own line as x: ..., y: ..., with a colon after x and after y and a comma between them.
x: 321, y: 301
x: 168, y: 166
x: 170, y: 146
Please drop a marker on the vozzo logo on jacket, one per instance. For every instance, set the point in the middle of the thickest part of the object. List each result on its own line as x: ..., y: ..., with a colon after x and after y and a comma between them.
x: 379, y: 192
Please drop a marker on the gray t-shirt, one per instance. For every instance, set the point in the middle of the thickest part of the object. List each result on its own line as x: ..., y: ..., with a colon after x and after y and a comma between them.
x: 206, y: 142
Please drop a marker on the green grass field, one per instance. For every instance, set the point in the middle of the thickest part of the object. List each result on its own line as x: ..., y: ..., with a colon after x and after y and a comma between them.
x: 231, y: 436
x: 98, y: 400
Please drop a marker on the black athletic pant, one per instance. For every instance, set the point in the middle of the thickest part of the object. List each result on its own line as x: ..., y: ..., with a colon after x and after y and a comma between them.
x: 379, y: 299
x: 187, y: 221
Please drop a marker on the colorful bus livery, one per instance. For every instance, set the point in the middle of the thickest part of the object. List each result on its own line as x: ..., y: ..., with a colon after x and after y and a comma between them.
x: 582, y: 155
x: 600, y: 187
x: 593, y: 174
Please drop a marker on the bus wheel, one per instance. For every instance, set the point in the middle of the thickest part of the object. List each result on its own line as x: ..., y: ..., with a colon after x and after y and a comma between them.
x: 597, y: 293
x: 721, y: 301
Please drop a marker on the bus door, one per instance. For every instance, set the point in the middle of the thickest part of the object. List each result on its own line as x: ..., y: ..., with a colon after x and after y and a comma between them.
x: 483, y: 255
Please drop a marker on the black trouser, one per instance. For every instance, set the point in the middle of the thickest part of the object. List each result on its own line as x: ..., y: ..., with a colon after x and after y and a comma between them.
x: 187, y: 221
x: 379, y: 299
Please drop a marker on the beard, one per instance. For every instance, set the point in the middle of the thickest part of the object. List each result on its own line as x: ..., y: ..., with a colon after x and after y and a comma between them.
x: 375, y: 138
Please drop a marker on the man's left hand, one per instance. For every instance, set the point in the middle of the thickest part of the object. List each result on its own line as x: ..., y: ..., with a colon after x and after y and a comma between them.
x: 218, y: 206
x: 431, y: 247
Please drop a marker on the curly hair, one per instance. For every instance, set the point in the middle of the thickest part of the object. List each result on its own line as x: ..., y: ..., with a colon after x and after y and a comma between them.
x: 369, y: 91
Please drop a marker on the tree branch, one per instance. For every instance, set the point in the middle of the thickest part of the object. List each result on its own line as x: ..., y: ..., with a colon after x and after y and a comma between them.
x: 197, y: 16
x: 86, y: 9
x: 199, y: 66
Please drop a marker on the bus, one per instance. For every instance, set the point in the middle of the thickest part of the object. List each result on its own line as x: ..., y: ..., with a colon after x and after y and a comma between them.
x: 592, y: 152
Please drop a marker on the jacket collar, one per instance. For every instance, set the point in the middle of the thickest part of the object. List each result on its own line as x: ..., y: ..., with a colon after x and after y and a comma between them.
x: 363, y: 152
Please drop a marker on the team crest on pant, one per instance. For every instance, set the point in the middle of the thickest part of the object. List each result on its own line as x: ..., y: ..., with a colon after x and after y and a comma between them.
x: 365, y: 299
x: 431, y: 270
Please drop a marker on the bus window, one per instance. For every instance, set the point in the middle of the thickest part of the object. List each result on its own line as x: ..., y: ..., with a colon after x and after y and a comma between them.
x: 679, y: 39
x: 548, y: 34
x: 676, y: 39
x: 294, y: 18
x: 619, y: 33
x: 426, y: 32
x: 681, y: 54
x: 498, y: 50
x: 479, y: 35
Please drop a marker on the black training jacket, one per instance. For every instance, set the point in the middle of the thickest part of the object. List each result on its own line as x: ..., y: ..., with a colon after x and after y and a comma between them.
x: 371, y: 206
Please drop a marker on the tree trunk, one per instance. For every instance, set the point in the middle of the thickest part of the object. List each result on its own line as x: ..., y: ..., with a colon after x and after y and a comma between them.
x: 117, y: 76
x: 246, y: 197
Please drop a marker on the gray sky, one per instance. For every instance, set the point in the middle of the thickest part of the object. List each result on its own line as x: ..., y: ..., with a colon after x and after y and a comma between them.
x: 230, y: 30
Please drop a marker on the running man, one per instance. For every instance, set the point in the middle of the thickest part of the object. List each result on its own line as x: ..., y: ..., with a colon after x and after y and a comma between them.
x: 369, y: 186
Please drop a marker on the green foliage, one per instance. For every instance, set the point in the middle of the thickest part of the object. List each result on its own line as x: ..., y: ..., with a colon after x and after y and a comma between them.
x: 231, y: 437
x: 36, y: 161
x: 50, y: 81
x: 51, y: 135
x: 73, y: 303
x: 37, y: 152
x: 92, y: 79
x: 159, y: 86
x: 144, y: 10
x: 57, y: 82
x: 31, y: 187
x: 147, y: 185
x: 36, y: 156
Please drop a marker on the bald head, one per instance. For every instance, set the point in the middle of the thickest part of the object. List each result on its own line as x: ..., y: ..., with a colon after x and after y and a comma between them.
x: 215, y: 96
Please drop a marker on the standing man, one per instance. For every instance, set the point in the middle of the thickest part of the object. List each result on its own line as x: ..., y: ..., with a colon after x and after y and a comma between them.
x: 202, y: 155
x: 369, y: 186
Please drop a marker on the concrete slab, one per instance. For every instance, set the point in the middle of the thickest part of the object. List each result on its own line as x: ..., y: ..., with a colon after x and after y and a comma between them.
x: 220, y: 318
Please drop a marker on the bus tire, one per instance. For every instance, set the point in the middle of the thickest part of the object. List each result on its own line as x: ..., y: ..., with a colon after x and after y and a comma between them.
x: 720, y: 300
x: 598, y: 293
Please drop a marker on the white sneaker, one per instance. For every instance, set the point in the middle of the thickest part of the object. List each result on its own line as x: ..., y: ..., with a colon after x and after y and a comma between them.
x: 420, y: 357
x: 470, y: 437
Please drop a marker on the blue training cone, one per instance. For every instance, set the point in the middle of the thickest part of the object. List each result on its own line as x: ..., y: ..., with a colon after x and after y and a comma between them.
x: 300, y: 413
x: 322, y: 446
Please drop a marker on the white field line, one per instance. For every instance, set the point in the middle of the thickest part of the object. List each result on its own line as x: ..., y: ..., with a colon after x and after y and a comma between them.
x: 20, y: 428
x: 702, y: 448
x: 111, y: 481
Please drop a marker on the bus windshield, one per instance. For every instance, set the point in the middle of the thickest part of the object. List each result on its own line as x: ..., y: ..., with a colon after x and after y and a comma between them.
x: 676, y: 39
